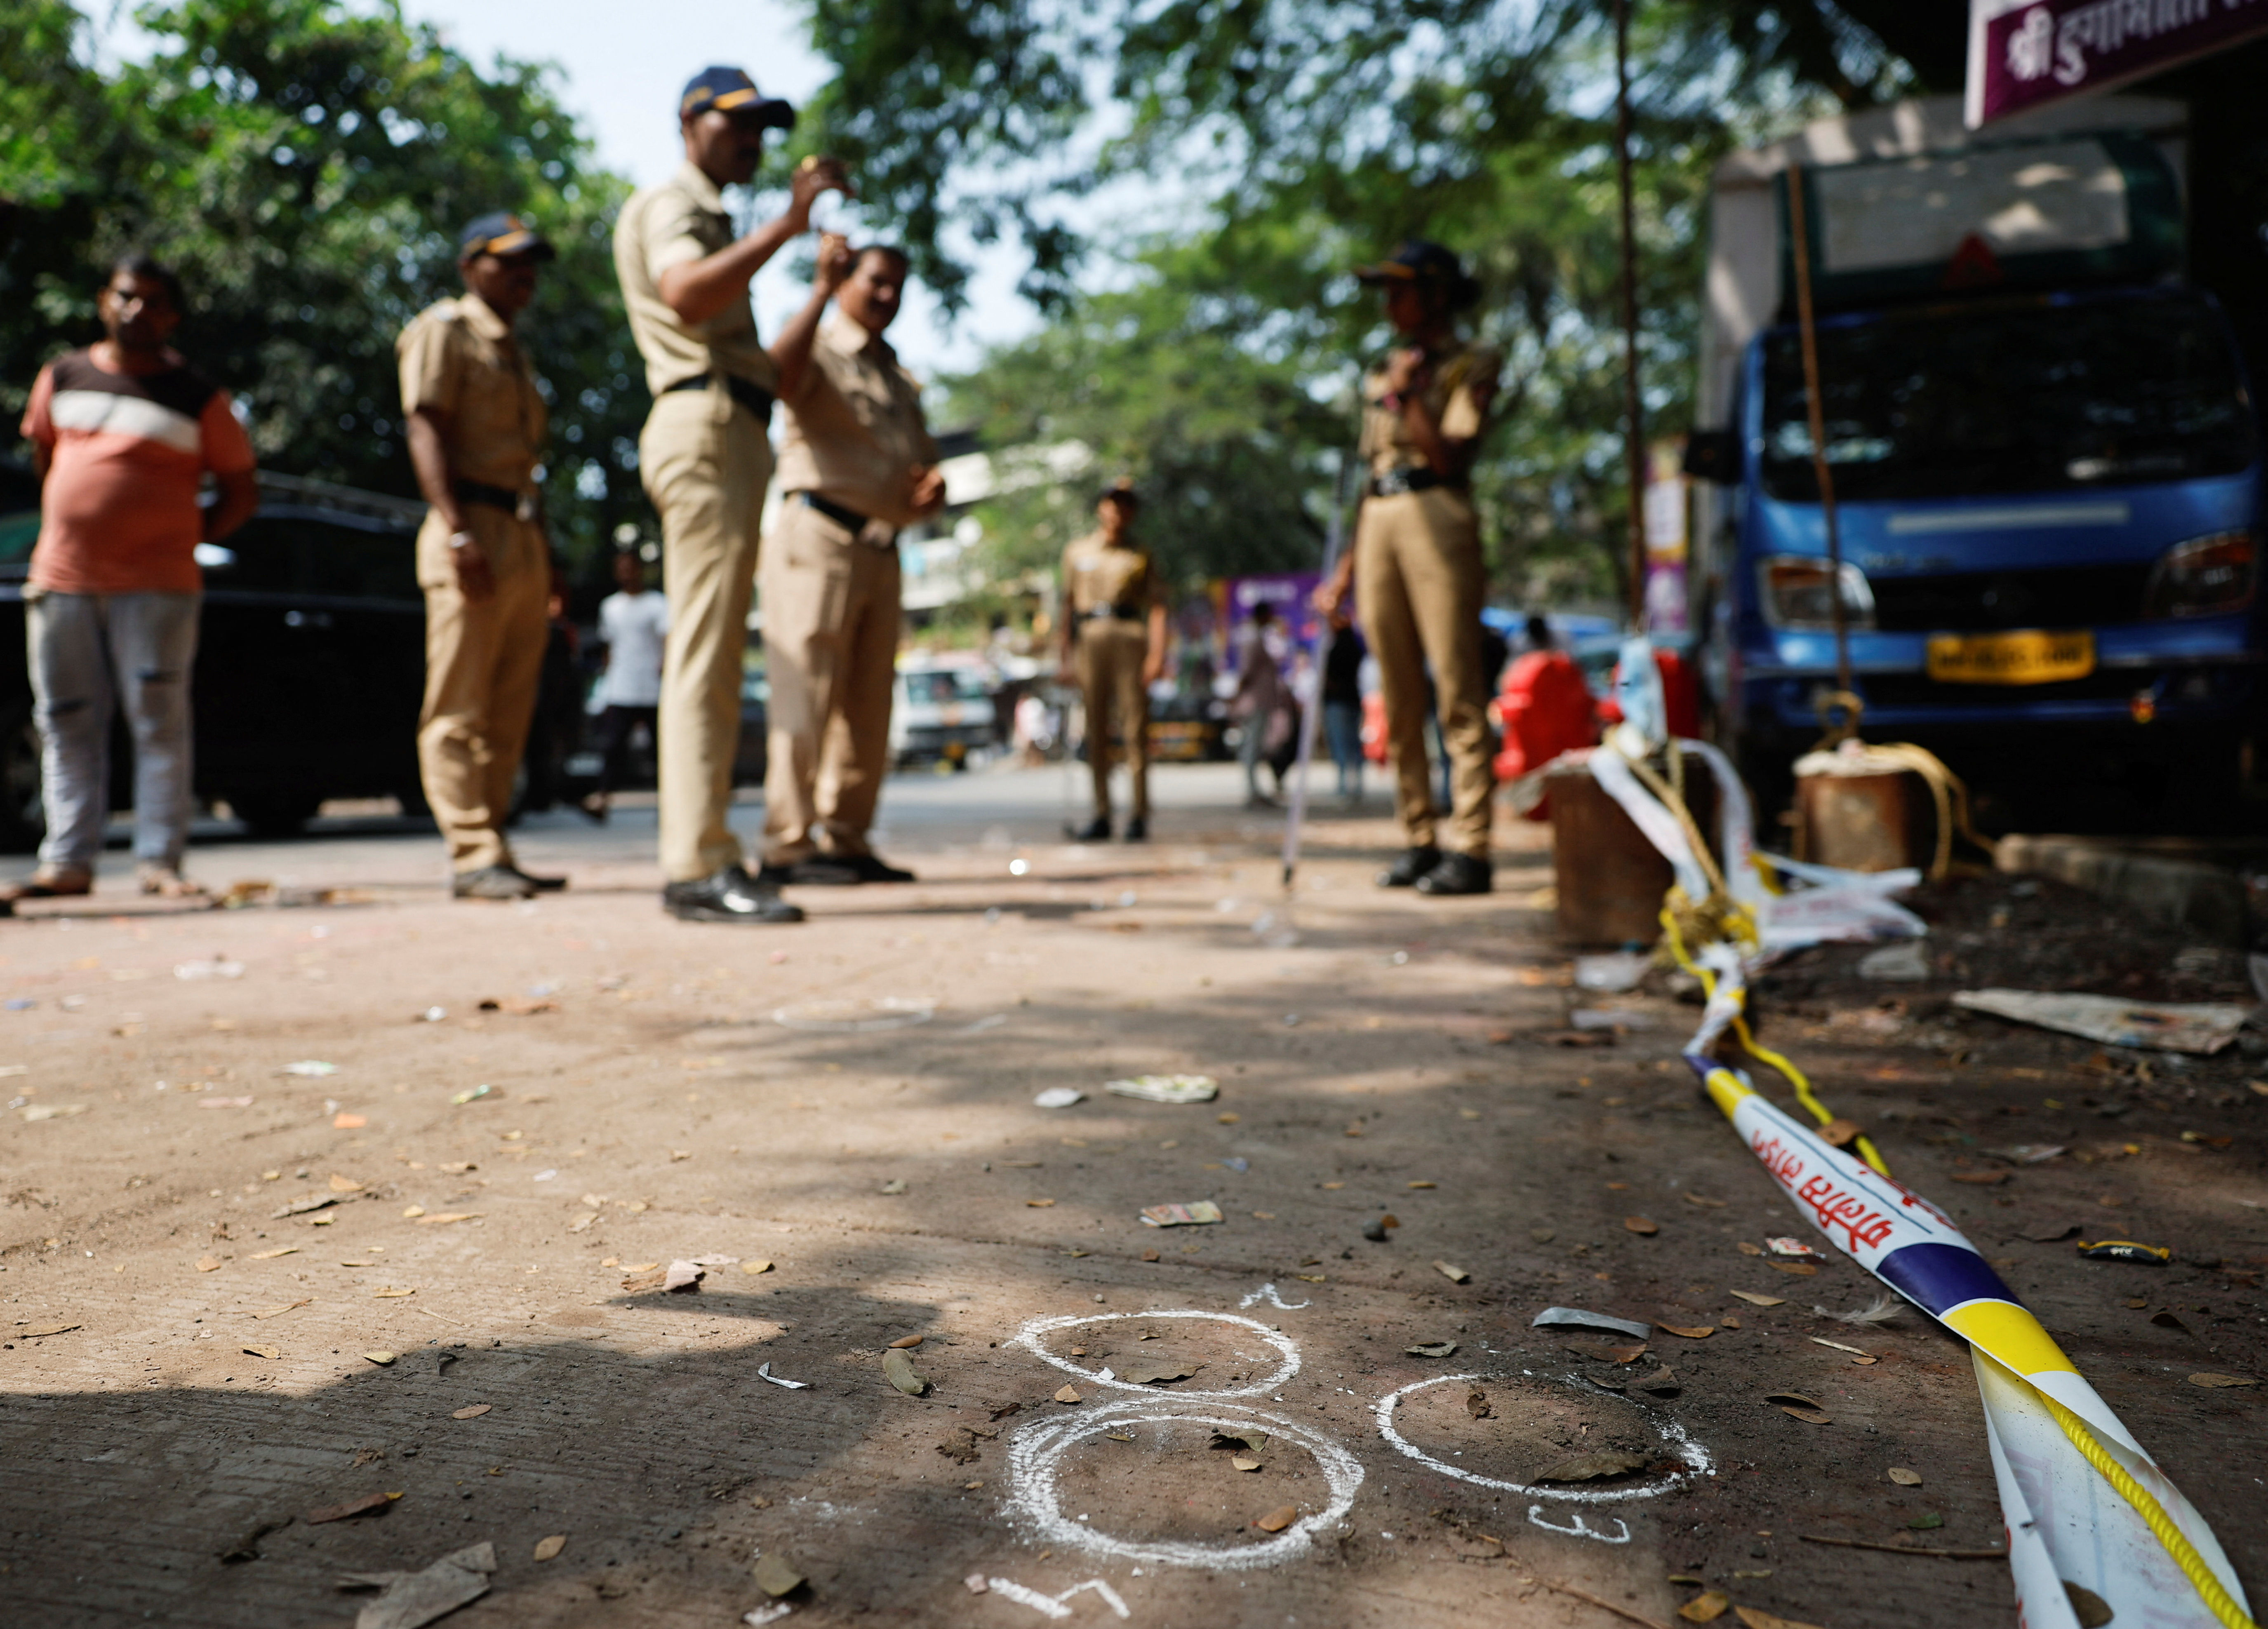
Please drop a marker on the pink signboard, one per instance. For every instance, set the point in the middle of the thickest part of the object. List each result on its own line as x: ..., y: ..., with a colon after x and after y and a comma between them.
x: 2023, y: 52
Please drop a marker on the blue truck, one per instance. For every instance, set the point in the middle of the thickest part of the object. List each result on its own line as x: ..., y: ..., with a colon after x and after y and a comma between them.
x: 2045, y: 455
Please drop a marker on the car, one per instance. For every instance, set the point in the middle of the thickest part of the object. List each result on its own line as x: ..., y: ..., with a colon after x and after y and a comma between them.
x: 940, y: 713
x: 311, y: 659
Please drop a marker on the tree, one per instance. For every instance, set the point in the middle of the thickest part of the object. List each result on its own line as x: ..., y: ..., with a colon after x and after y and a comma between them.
x: 307, y: 167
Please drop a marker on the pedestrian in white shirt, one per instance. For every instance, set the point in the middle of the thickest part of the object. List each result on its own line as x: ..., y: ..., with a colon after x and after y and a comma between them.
x: 634, y: 623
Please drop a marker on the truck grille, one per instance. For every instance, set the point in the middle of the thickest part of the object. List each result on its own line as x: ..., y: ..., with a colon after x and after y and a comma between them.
x: 1983, y: 602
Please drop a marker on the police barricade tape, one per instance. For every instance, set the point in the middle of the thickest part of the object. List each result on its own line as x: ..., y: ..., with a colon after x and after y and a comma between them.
x: 2054, y: 1442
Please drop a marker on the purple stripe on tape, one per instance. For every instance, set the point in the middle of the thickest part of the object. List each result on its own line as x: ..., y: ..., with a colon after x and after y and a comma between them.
x: 1938, y: 1277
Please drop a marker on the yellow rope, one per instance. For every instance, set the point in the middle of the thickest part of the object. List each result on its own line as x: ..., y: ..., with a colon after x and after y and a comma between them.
x: 2216, y: 1598
x: 1728, y: 919
x: 1804, y: 1094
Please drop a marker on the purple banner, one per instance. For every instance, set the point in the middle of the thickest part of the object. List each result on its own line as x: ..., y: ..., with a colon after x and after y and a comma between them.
x: 2024, y: 53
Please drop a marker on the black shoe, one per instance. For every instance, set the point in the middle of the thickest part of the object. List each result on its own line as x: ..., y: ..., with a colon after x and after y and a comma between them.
x: 1458, y: 874
x: 543, y: 885
x: 491, y: 882
x: 595, y: 808
x: 1096, y: 831
x: 727, y: 896
x: 1138, y: 829
x: 874, y: 869
x: 1413, y: 864
x: 815, y: 871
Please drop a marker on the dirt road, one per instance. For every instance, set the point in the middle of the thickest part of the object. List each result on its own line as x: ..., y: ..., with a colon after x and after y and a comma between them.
x: 487, y: 1193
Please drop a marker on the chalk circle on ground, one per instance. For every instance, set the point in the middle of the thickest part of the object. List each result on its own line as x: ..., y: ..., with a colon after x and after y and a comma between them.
x: 852, y: 1016
x: 1035, y: 1456
x: 1029, y: 1336
x: 1696, y: 1457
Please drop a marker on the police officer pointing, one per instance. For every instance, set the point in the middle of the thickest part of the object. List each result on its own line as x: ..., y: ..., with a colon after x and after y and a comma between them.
x: 1416, y: 564
x: 705, y: 462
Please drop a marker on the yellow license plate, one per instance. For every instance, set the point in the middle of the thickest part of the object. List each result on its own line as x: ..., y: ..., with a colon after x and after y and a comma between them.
x: 2032, y: 657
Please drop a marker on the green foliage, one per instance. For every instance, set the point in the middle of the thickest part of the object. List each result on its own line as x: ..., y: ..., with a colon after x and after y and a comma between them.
x: 307, y: 166
x: 1162, y: 383
x: 1314, y: 136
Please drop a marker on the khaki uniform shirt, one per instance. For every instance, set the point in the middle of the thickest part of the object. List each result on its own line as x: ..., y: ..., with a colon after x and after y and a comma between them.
x: 854, y: 432
x: 681, y: 221
x: 1464, y: 378
x: 1099, y: 574
x: 459, y: 358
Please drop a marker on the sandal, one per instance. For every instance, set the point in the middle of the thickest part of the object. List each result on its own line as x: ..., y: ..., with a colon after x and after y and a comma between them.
x: 167, y: 882
x: 45, y: 883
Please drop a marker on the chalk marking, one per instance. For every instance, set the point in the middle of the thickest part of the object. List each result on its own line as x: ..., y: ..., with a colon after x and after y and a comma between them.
x: 1034, y: 1460
x: 1028, y: 1338
x: 1053, y: 1605
x: 1267, y: 1293
x: 1581, y: 1529
x: 1696, y: 1457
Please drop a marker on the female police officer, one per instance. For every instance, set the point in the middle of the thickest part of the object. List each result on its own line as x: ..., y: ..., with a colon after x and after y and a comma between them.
x: 1416, y: 562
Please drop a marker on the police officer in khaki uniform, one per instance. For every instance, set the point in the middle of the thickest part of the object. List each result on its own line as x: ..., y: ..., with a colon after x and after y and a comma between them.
x: 857, y: 465
x: 705, y: 462
x: 1416, y: 562
x: 477, y: 425
x: 1114, y: 619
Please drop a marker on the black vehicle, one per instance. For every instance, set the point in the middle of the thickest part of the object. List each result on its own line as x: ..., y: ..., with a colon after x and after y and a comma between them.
x: 311, y: 659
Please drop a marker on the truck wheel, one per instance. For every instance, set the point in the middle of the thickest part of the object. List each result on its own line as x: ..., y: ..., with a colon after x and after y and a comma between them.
x: 275, y: 814
x: 23, y: 816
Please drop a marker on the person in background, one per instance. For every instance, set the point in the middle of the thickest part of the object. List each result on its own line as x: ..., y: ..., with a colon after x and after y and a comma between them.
x: 856, y: 466
x: 1114, y: 617
x: 1342, y: 704
x: 123, y: 435
x: 705, y: 461
x: 1258, y: 702
x: 1546, y: 709
x: 633, y: 623
x: 1416, y: 564
x: 476, y: 424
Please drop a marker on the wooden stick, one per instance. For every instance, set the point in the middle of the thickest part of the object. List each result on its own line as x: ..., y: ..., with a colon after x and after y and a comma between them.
x: 1863, y: 1544
x: 1609, y: 1606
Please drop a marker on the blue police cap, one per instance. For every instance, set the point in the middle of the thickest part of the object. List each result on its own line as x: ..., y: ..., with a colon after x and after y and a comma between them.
x: 503, y: 233
x: 730, y: 90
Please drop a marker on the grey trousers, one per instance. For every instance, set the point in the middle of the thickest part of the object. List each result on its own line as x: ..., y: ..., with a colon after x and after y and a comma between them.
x: 88, y: 653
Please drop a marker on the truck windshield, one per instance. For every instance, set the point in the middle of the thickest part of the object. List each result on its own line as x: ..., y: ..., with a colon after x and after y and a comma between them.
x: 2010, y: 397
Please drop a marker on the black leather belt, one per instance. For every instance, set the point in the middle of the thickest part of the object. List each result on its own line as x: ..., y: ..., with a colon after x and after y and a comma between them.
x: 1410, y: 479
x: 842, y: 515
x: 494, y: 497
x: 748, y: 393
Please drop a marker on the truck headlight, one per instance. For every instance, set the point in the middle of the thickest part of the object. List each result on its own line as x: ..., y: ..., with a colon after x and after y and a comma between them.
x: 2204, y: 576
x: 1794, y: 594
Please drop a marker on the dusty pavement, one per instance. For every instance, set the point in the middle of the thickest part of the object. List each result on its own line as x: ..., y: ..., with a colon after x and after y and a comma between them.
x: 645, y: 1103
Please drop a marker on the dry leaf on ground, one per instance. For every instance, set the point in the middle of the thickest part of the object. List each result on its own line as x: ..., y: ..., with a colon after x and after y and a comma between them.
x: 899, y: 1369
x: 363, y: 1506
x: 2220, y: 1380
x: 1705, y: 1609
x: 471, y: 1410
x: 1644, y: 1225
x: 1591, y: 1467
x: 1276, y: 1520
x: 1755, y: 1300
x: 1904, y: 1478
x: 546, y: 1549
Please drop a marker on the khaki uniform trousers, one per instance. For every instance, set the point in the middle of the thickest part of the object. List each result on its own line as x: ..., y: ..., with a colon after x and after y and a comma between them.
x: 830, y: 650
x: 1418, y: 584
x: 483, y: 666
x: 704, y: 462
x: 1111, y: 650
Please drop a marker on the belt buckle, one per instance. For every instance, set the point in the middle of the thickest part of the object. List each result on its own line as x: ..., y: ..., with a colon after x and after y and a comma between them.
x: 525, y: 509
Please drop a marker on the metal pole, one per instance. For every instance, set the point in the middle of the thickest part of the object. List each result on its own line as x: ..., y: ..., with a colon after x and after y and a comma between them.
x: 1295, y: 816
x: 1633, y: 408
x: 1815, y: 413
